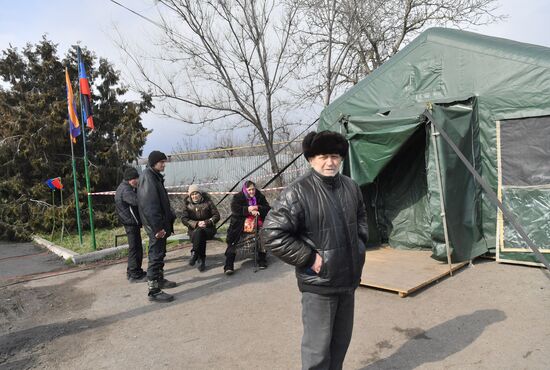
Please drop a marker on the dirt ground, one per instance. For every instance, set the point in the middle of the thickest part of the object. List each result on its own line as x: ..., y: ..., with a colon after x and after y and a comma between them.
x: 487, y: 316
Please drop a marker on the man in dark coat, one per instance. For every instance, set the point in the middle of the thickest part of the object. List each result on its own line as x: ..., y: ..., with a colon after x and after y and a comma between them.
x: 128, y: 214
x: 200, y: 215
x: 158, y: 219
x: 246, y: 204
x: 319, y: 225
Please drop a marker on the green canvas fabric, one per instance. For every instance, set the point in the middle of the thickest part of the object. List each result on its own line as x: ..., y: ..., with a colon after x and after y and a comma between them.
x: 440, y: 68
x: 374, y: 142
x: 461, y: 193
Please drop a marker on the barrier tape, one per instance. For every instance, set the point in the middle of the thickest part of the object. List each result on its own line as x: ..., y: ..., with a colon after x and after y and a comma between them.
x: 185, y: 193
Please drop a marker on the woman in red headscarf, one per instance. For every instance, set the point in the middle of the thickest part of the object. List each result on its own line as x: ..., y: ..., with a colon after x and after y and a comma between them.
x: 245, y: 206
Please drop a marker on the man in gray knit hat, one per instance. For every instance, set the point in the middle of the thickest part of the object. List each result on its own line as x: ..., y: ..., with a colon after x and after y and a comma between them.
x: 158, y: 219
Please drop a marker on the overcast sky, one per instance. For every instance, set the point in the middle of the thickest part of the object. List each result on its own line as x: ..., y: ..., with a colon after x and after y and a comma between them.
x: 93, y: 23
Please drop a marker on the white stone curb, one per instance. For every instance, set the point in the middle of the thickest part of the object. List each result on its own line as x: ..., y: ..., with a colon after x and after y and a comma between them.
x: 60, y: 251
x: 92, y: 256
x: 100, y: 254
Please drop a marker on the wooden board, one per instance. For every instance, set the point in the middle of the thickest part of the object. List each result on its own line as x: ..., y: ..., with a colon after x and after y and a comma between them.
x: 402, y: 271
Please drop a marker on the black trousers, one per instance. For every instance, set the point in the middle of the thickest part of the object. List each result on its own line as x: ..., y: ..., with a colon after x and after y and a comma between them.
x: 157, y: 252
x: 135, y: 251
x: 328, y: 324
x: 199, y: 236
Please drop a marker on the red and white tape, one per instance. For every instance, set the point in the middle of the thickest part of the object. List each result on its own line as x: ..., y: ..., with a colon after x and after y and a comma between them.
x: 185, y: 193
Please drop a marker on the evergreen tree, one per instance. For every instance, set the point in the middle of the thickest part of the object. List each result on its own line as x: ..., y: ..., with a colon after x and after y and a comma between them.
x: 34, y: 136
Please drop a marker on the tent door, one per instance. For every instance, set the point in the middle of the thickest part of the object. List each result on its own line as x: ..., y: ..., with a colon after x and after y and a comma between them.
x: 461, y: 193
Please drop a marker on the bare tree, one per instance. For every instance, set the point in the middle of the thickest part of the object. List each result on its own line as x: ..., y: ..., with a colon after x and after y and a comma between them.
x: 225, y: 62
x: 345, y: 40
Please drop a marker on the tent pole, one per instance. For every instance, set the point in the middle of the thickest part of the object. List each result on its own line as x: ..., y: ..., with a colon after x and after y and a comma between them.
x: 441, y: 201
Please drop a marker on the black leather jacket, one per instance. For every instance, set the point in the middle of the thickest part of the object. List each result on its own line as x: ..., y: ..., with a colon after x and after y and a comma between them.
x: 206, y: 210
x: 154, y: 205
x: 126, y: 203
x: 324, y: 215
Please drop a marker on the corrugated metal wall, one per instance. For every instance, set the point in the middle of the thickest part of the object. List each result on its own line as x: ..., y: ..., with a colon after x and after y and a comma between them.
x: 221, y: 174
x: 225, y: 172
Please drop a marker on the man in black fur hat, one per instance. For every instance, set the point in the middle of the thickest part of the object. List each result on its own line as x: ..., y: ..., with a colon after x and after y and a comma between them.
x: 319, y: 225
x: 158, y: 219
x: 126, y: 203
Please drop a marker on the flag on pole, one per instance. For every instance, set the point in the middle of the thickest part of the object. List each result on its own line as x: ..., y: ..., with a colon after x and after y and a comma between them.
x: 86, y: 94
x: 74, y: 125
x: 54, y: 183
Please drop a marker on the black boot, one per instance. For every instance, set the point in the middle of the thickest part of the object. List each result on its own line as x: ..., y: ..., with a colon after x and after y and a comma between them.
x: 262, y: 260
x: 202, y: 264
x: 228, y: 269
x: 193, y: 259
x: 157, y: 295
x: 166, y: 284
x: 138, y: 278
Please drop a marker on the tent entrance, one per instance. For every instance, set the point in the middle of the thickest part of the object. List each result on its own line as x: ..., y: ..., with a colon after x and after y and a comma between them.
x: 399, y: 215
x: 394, y: 159
x: 399, y: 197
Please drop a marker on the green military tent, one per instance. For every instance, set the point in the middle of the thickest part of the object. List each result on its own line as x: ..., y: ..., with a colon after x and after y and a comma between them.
x: 492, y: 97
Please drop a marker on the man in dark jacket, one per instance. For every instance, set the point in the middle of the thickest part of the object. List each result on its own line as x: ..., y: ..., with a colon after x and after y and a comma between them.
x: 319, y: 225
x: 158, y: 219
x: 128, y: 214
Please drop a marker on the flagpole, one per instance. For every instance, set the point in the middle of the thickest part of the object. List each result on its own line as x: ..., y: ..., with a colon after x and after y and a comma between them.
x: 53, y: 207
x: 90, y: 209
x: 76, y: 202
x: 62, y: 214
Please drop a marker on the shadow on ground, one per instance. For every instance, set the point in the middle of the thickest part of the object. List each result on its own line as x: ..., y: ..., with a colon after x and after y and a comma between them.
x: 20, y: 348
x: 435, y: 344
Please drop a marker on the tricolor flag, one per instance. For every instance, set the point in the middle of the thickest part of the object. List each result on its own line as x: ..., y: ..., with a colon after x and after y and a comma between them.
x: 54, y: 183
x: 74, y: 125
x: 86, y: 94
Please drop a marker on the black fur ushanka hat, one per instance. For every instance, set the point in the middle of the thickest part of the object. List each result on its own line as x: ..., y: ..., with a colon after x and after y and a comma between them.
x: 324, y: 142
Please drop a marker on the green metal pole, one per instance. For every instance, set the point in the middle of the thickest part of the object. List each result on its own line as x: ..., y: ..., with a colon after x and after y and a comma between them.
x: 86, y: 174
x: 53, y: 207
x: 76, y: 201
x: 62, y: 214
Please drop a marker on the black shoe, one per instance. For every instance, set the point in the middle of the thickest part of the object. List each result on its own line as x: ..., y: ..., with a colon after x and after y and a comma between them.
x: 139, y: 279
x: 262, y: 264
x: 160, y: 296
x: 166, y: 284
x: 194, y: 258
x: 202, y: 265
x: 229, y: 269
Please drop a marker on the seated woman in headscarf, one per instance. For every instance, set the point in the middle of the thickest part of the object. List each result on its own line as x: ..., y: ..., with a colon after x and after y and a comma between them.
x: 200, y: 215
x: 245, y: 206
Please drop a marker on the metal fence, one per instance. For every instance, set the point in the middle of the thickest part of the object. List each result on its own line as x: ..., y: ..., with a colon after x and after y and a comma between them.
x: 218, y: 175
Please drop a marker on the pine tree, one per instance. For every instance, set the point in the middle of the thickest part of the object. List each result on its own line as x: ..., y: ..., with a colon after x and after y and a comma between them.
x: 34, y: 139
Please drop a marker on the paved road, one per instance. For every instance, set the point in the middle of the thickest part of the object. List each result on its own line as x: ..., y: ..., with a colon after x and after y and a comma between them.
x: 489, y: 316
x: 18, y: 259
